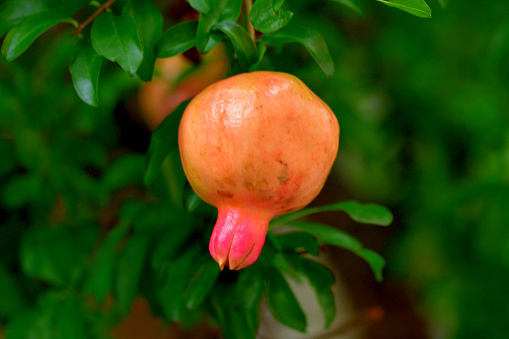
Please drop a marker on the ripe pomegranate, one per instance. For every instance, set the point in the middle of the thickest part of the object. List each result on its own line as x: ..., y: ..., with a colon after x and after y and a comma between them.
x: 255, y: 145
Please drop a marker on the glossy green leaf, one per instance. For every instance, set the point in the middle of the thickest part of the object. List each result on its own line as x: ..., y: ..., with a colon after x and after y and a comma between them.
x: 332, y: 236
x: 299, y: 241
x: 221, y: 10
x: 12, y: 300
x: 177, y: 39
x: 242, y: 43
x: 416, y: 7
x: 201, y: 283
x: 129, y: 270
x: 124, y: 171
x: 266, y: 15
x: 164, y: 139
x: 116, y: 39
x: 149, y: 22
x: 282, y: 302
x: 23, y: 35
x: 321, y: 279
x: 312, y: 40
x: 352, y: 4
x: 202, y: 6
x: 14, y: 12
x: 84, y: 67
x: 363, y: 213
x: 191, y: 200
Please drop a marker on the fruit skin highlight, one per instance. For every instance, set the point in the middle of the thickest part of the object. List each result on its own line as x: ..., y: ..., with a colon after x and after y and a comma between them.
x: 255, y: 145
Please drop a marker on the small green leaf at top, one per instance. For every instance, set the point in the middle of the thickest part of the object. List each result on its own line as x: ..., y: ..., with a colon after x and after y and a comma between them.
x: 23, y: 35
x: 84, y: 67
x: 363, y: 213
x: 352, y: 4
x: 310, y: 39
x: 149, y: 22
x: 266, y: 15
x: 202, y: 6
x: 416, y: 7
x: 177, y: 39
x: 116, y: 39
x: 282, y: 302
x: 242, y: 43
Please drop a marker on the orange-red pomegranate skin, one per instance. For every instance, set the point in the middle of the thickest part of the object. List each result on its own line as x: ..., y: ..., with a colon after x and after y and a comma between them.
x: 255, y: 145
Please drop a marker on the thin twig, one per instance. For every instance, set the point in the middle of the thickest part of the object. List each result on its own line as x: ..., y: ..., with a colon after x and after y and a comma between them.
x: 250, y: 28
x: 101, y: 9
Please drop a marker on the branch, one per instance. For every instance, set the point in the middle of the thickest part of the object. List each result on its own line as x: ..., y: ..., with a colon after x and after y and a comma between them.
x: 101, y: 9
x: 250, y: 28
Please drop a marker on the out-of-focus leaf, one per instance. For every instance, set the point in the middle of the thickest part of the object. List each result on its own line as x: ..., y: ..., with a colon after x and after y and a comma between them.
x: 201, y: 283
x: 332, y: 236
x: 12, y: 300
x: 191, y: 199
x: 282, y: 302
x: 202, y: 6
x: 56, y: 255
x: 23, y: 35
x: 70, y: 320
x: 164, y: 139
x: 177, y: 278
x: 352, y: 4
x: 84, y: 67
x: 299, y: 240
x: 416, y: 7
x: 312, y: 40
x: 177, y: 39
x: 364, y: 213
x: 239, y: 324
x: 116, y: 39
x: 221, y: 10
x: 129, y: 270
x: 242, y: 42
x: 22, y: 190
x: 14, y: 12
x: 149, y: 22
x: 267, y: 15
x: 162, y: 216
x: 321, y: 279
x: 124, y: 171
x: 249, y: 288
x: 100, y: 278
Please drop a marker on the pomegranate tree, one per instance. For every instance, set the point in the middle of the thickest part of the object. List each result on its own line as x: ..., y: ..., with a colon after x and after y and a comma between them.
x: 255, y: 145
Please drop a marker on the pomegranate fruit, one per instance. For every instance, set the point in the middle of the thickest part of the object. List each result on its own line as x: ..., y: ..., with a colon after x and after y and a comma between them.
x: 255, y: 145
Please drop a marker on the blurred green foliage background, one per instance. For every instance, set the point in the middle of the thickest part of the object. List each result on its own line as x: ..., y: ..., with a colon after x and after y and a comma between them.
x: 423, y: 106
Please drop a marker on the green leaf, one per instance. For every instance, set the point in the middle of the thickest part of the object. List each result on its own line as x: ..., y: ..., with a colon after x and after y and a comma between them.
x: 169, y: 245
x: 56, y: 255
x: 282, y: 302
x: 202, y: 6
x: 321, y: 279
x: 332, y: 236
x: 164, y: 139
x: 416, y: 7
x: 12, y: 300
x: 221, y: 10
x: 312, y: 40
x: 100, y: 278
x: 191, y: 200
x: 179, y: 273
x: 239, y: 323
x: 266, y: 16
x: 84, y: 67
x: 124, y: 171
x: 177, y: 39
x: 116, y: 39
x: 299, y: 241
x: 249, y: 288
x: 202, y: 282
x: 363, y: 213
x: 352, y: 4
x: 242, y: 43
x: 70, y: 321
x: 14, y: 12
x: 149, y: 23
x: 21, y: 190
x: 129, y: 271
x: 23, y: 35
x: 162, y: 216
